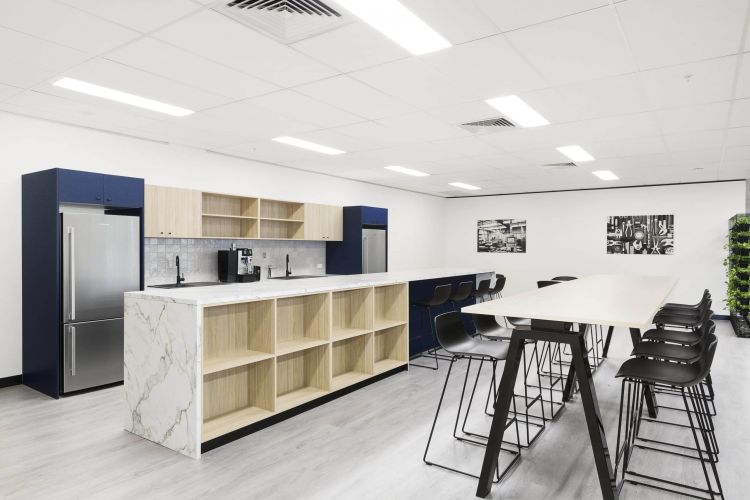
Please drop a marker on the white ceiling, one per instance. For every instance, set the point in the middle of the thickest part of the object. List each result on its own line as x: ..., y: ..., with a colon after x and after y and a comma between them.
x: 657, y: 90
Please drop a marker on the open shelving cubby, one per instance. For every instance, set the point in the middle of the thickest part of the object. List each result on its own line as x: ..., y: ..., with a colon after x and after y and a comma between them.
x: 302, y: 322
x: 281, y: 229
x: 391, y: 348
x: 237, y: 397
x: 227, y: 216
x: 391, y: 306
x: 352, y: 361
x: 352, y: 313
x: 237, y: 334
x: 282, y: 210
x: 302, y: 376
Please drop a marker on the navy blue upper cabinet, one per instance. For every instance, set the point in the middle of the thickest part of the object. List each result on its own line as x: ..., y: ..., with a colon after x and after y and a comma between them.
x: 374, y: 216
x: 79, y: 187
x: 120, y: 191
x: 99, y: 189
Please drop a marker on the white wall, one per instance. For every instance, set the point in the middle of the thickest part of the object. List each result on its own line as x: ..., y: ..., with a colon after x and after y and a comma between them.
x: 566, y: 234
x: 28, y: 145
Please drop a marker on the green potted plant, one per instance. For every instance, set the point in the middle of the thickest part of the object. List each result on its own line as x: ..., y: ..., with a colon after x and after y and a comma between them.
x: 737, y: 263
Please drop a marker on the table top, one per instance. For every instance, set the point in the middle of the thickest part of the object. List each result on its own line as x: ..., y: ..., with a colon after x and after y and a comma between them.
x: 627, y: 300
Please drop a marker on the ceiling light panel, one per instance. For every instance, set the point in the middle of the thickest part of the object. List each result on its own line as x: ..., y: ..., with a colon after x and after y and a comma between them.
x: 407, y: 171
x: 121, y: 97
x: 463, y: 185
x: 517, y: 110
x: 398, y: 23
x: 605, y: 175
x: 299, y: 143
x: 576, y: 153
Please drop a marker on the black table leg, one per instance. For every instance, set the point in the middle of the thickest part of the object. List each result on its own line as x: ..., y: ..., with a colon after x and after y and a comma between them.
x: 648, y: 393
x: 568, y: 390
x: 606, y: 342
x: 588, y: 397
x: 587, y: 392
x: 502, y: 406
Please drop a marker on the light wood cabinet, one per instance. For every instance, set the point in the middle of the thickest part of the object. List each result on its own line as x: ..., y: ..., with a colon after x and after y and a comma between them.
x: 324, y: 222
x: 172, y: 212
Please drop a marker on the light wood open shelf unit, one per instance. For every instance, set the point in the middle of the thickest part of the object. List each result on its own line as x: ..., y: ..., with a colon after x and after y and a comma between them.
x: 237, y: 397
x: 237, y: 334
x: 391, y: 306
x: 267, y: 356
x: 302, y: 322
x: 220, y: 226
x: 230, y: 205
x: 352, y: 361
x: 282, y: 210
x: 275, y: 229
x: 352, y: 313
x: 391, y: 348
x: 302, y: 376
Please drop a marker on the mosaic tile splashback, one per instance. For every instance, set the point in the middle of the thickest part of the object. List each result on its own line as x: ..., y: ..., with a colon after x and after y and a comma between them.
x: 199, y: 258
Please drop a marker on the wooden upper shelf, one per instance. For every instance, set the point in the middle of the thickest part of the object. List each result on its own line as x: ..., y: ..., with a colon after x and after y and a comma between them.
x: 184, y: 213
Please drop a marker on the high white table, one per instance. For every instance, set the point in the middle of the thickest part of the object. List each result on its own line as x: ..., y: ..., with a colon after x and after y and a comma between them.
x: 629, y: 301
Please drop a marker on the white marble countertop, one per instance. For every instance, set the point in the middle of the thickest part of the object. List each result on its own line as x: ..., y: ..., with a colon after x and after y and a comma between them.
x: 239, y: 292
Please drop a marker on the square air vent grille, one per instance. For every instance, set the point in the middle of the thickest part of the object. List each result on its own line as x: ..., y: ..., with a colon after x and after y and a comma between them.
x: 492, y: 122
x: 560, y: 166
x: 287, y: 21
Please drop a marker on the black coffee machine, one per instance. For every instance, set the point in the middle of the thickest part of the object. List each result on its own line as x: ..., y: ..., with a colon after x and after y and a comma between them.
x: 236, y: 266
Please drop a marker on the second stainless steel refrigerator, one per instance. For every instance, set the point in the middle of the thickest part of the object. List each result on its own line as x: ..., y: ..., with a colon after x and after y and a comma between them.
x: 101, y: 261
x: 374, y: 250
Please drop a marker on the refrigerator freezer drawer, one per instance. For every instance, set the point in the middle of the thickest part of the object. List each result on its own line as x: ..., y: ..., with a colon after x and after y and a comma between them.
x: 93, y: 354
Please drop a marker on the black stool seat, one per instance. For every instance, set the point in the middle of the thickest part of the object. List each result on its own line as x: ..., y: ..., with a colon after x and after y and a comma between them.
x: 688, y: 321
x: 454, y: 339
x: 674, y: 305
x: 685, y: 337
x: 670, y: 352
x: 440, y: 296
x: 519, y: 322
x: 463, y: 292
x: 660, y: 372
x: 564, y: 278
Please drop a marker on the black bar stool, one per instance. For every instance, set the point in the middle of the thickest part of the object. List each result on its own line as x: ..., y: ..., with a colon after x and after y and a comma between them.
x: 488, y: 328
x: 497, y: 289
x: 440, y: 296
x: 452, y: 336
x: 546, y: 283
x: 463, y: 292
x: 482, y: 291
x: 564, y: 278
x: 686, y: 379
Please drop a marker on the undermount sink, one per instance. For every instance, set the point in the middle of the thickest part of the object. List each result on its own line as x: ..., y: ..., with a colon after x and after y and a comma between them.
x: 296, y: 277
x: 188, y: 285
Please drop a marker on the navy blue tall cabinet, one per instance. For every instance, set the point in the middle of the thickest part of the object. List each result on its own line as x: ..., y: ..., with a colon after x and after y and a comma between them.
x: 345, y: 257
x: 42, y: 194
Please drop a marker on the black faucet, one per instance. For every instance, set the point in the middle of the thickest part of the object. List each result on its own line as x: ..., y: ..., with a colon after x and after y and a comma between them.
x: 180, y: 278
x: 288, y: 270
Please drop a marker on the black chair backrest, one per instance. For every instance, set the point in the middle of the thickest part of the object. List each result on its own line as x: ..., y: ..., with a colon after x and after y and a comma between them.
x: 483, y: 288
x: 450, y: 331
x: 463, y: 291
x: 543, y: 284
x: 564, y: 278
x: 440, y: 295
x: 484, y: 323
x: 499, y: 284
x: 707, y: 359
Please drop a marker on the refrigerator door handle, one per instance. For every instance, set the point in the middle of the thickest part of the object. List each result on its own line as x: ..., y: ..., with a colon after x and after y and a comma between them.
x: 365, y: 263
x: 73, y: 351
x: 72, y: 267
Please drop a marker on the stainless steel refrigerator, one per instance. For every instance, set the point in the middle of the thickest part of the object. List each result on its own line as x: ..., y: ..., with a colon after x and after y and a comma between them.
x: 374, y: 250
x: 101, y: 261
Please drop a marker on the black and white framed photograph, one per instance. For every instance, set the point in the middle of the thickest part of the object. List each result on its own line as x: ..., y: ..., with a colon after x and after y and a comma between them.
x: 501, y: 235
x: 640, y: 234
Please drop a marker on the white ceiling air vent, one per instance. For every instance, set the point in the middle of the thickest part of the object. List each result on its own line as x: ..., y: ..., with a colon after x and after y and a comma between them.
x: 287, y: 21
x: 560, y: 166
x: 488, y: 125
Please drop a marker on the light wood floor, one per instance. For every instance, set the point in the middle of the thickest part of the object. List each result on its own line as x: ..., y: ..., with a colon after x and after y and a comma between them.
x: 367, y: 445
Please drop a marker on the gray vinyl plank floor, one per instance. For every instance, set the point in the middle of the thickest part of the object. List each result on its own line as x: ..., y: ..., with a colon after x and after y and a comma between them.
x: 366, y: 445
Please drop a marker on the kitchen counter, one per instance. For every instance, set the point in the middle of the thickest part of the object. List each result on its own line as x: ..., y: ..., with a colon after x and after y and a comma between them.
x: 240, y: 292
x: 203, y: 365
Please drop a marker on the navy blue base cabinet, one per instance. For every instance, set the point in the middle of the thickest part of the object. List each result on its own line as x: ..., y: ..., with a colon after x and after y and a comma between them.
x: 346, y: 257
x: 42, y: 194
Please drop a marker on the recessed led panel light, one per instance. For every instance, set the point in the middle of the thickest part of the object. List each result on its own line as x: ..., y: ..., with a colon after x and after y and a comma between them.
x: 119, y: 96
x: 605, y: 175
x: 463, y: 185
x: 517, y: 110
x: 291, y: 141
x: 576, y: 153
x: 398, y: 23
x: 407, y: 171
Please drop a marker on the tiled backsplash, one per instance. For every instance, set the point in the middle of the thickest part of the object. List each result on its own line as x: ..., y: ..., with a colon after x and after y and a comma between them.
x: 199, y: 260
